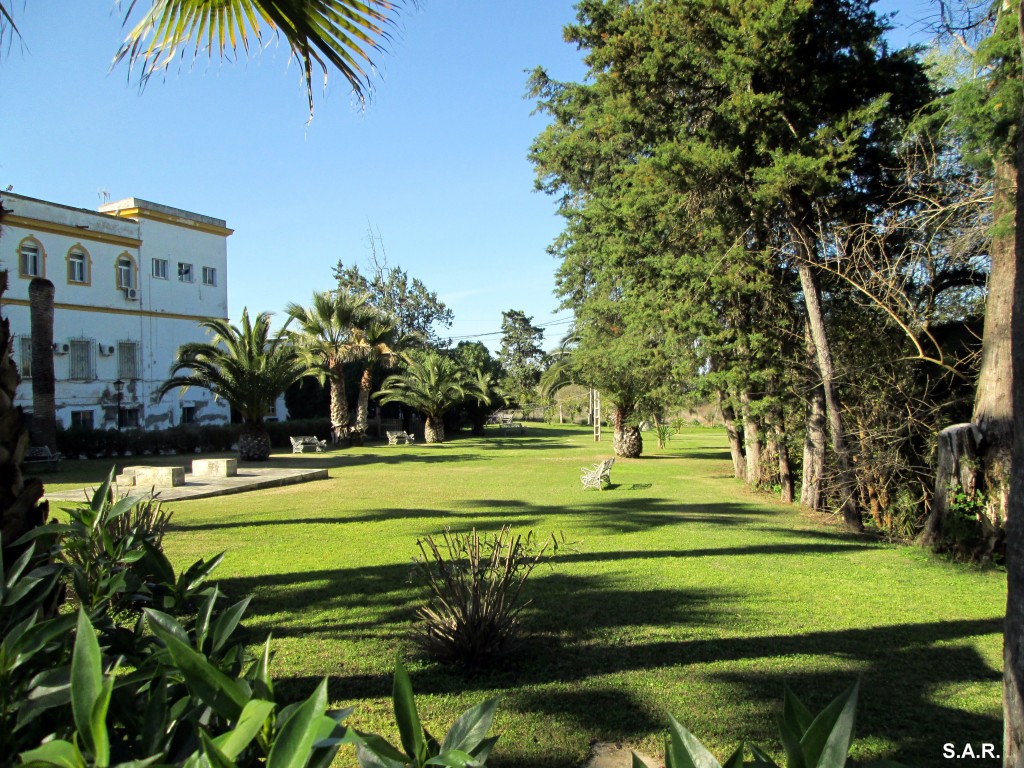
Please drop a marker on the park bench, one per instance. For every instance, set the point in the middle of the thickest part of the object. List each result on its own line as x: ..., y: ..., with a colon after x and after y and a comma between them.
x: 42, y: 455
x: 598, y: 475
x: 512, y: 426
x: 301, y: 443
x: 394, y: 437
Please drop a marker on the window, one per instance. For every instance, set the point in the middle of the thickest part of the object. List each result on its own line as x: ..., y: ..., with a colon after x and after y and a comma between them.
x: 83, y: 360
x: 78, y: 266
x: 209, y: 276
x: 25, y: 355
x: 188, y: 414
x: 125, y: 272
x: 160, y: 269
x: 129, y: 417
x: 30, y: 262
x: 184, y: 272
x: 82, y: 419
x: 128, y: 362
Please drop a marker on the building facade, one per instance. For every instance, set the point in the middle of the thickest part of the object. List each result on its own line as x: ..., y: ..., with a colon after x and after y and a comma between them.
x: 132, y: 281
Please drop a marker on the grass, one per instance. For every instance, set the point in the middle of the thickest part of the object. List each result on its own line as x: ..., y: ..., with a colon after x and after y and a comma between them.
x: 689, y: 594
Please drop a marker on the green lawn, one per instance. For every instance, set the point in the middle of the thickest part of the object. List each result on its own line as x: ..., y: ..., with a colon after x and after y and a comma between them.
x: 688, y: 594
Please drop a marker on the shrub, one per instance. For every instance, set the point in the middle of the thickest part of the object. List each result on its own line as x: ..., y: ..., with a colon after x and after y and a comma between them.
x: 81, y: 691
x: 475, y: 590
x: 103, y: 547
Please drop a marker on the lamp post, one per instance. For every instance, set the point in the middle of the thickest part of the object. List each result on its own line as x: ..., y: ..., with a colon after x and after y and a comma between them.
x: 119, y: 388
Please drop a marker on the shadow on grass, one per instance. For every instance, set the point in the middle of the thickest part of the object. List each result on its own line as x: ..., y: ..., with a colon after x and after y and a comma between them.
x: 605, y: 511
x: 898, y: 697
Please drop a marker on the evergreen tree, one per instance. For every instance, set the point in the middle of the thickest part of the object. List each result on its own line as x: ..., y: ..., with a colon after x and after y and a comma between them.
x: 521, y: 355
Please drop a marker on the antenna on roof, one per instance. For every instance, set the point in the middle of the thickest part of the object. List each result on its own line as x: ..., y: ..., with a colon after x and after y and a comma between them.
x: 103, y: 194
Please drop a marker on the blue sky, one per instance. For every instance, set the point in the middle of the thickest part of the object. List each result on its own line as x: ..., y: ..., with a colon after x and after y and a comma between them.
x: 435, y: 164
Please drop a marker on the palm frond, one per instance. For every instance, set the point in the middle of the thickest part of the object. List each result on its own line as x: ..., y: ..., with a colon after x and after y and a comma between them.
x: 342, y: 34
x: 242, y: 364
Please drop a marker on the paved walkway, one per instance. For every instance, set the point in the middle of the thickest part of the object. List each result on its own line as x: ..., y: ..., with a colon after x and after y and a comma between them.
x: 247, y: 479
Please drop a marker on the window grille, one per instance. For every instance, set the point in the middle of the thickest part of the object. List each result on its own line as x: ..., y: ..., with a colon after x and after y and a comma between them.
x: 82, y: 419
x: 83, y: 360
x: 129, y: 364
x: 25, y: 355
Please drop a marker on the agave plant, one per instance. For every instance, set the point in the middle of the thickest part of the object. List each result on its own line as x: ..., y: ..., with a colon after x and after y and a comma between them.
x: 245, y: 366
x: 810, y: 741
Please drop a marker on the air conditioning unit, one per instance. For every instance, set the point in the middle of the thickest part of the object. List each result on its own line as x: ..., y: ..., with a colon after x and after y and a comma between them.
x: 132, y: 294
x: 107, y: 349
x: 61, y: 348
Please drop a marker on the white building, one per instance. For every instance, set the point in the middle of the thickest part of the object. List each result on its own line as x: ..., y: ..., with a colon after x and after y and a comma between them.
x: 131, y: 282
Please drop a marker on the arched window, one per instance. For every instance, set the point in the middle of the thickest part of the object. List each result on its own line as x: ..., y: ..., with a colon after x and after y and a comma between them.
x: 126, y: 271
x: 79, y: 266
x: 31, y: 258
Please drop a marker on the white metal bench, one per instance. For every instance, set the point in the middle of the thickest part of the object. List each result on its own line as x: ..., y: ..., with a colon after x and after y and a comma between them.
x: 301, y: 443
x: 41, y: 454
x: 512, y: 426
x: 597, y: 475
x: 394, y: 437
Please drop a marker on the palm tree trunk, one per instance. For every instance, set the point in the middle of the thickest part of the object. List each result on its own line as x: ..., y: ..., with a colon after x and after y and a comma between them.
x: 254, y: 441
x: 363, y: 406
x: 44, y: 405
x: 627, y: 441
x: 21, y: 508
x: 339, y: 399
x: 433, y: 430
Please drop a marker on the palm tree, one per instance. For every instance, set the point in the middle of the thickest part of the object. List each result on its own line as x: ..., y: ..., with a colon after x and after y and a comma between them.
x: 430, y: 384
x: 321, y: 33
x: 327, y: 339
x: 244, y: 366
x: 44, y: 384
x: 377, y: 342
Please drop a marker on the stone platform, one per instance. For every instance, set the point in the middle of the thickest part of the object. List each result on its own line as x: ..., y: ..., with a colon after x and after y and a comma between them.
x: 204, y: 486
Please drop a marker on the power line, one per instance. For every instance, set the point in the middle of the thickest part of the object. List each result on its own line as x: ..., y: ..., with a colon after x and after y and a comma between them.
x: 550, y: 323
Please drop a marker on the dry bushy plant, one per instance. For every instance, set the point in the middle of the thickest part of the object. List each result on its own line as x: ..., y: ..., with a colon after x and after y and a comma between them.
x: 475, y: 588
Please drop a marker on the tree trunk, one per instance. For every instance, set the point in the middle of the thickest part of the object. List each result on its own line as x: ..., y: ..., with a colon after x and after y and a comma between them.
x: 627, y: 441
x: 814, y: 439
x: 253, y: 442
x: 816, y: 320
x: 956, y: 466
x: 751, y: 440
x: 339, y: 402
x: 1013, y: 627
x: 777, y: 445
x: 993, y: 401
x: 44, y: 387
x: 21, y: 508
x: 363, y: 405
x: 739, y: 464
x: 433, y: 430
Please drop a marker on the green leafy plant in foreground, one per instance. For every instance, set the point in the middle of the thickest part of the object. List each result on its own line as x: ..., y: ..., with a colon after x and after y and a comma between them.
x: 810, y: 741
x: 466, y: 745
